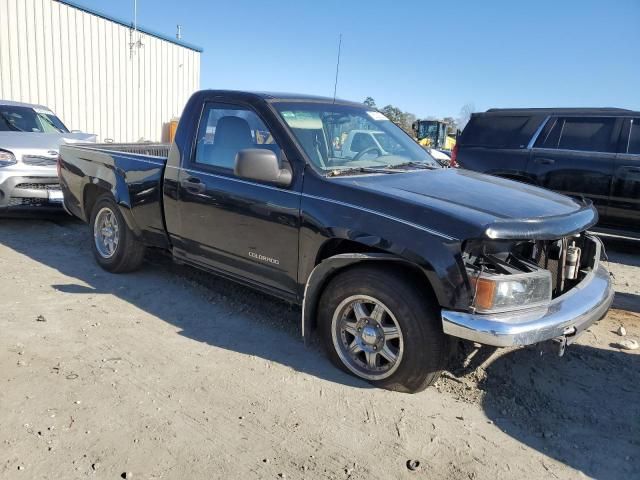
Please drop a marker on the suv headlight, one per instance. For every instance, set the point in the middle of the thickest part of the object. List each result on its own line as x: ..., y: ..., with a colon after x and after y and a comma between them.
x: 7, y: 158
x: 500, y: 293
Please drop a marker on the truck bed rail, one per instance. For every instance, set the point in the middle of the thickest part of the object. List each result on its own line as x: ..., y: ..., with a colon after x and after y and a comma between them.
x: 152, y: 149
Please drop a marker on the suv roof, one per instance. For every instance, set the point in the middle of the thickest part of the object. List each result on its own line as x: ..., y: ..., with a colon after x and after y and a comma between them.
x: 561, y: 111
x: 22, y: 104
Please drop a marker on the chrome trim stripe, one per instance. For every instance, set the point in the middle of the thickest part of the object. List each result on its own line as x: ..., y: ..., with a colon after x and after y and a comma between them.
x: 233, y: 179
x: 323, y: 199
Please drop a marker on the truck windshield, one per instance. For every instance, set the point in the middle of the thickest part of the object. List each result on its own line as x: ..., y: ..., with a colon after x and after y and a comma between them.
x: 343, y: 137
x: 15, y: 118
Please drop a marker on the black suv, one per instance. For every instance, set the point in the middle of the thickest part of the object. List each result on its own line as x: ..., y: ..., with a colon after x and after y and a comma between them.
x: 592, y: 153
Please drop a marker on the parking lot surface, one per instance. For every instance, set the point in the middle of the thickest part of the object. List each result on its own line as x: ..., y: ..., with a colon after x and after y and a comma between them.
x: 171, y: 373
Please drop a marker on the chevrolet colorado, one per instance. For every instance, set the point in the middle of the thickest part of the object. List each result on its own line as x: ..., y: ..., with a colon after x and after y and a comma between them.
x: 390, y: 255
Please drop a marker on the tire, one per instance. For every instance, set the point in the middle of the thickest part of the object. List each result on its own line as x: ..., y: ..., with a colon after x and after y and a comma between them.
x: 114, y: 245
x: 376, y: 300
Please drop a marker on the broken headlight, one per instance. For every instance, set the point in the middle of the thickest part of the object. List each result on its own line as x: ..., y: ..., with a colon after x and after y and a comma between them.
x: 493, y: 293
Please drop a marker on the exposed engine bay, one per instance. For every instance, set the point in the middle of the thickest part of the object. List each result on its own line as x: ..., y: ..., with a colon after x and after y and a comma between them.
x: 507, y: 274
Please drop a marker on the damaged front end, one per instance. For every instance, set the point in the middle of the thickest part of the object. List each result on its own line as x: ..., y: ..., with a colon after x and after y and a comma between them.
x: 514, y: 275
x: 532, y: 290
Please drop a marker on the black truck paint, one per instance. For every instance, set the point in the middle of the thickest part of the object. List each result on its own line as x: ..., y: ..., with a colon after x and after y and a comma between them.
x: 277, y: 238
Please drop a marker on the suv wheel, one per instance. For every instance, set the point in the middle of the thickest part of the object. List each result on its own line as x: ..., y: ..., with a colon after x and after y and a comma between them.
x: 378, y: 326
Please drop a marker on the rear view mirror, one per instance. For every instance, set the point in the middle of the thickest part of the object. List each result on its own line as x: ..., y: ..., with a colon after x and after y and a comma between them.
x: 261, y: 165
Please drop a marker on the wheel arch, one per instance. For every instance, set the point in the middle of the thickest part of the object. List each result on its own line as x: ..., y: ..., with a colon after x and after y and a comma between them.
x: 330, y: 266
x: 93, y: 191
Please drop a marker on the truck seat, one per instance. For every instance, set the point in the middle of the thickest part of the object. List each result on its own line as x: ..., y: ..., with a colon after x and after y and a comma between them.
x: 232, y: 135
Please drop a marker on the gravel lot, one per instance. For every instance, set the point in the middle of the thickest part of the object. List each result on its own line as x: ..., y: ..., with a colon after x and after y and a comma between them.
x: 170, y: 373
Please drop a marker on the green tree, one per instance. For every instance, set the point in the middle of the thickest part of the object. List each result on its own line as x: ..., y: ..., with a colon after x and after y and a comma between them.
x: 452, y: 125
x: 370, y: 102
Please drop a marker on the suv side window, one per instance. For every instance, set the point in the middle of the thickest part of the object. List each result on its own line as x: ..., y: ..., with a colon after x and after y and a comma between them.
x: 634, y: 137
x: 496, y: 131
x: 225, y: 130
x: 584, y: 134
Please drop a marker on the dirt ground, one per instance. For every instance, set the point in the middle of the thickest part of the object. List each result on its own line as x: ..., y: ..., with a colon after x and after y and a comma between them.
x: 170, y: 373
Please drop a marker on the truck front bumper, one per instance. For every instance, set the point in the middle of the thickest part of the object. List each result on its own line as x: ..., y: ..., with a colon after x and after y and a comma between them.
x: 565, y: 317
x: 29, y: 189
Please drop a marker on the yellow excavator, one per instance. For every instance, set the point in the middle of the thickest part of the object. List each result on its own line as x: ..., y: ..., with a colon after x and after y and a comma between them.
x: 433, y: 134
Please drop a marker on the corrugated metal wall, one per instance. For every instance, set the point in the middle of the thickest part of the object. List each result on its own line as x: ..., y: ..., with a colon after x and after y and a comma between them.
x: 79, y: 65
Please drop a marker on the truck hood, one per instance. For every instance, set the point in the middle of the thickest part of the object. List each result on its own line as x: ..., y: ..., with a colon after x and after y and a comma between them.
x: 466, y: 204
x: 21, y: 143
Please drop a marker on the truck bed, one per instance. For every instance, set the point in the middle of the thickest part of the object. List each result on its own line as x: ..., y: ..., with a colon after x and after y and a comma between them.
x: 131, y: 172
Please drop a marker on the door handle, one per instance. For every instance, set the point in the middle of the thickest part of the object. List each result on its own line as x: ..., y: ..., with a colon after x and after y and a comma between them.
x: 544, y: 161
x: 193, y: 185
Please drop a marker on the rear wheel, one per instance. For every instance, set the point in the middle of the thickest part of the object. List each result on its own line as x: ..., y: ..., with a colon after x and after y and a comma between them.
x: 378, y: 326
x: 114, y: 245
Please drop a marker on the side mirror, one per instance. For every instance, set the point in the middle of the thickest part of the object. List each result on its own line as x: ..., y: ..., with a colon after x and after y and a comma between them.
x: 262, y: 165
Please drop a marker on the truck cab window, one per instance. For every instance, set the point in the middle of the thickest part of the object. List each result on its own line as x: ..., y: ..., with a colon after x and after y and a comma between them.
x: 225, y: 130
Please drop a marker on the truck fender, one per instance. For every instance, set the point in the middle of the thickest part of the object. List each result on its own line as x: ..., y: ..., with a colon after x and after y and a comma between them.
x: 323, y: 272
x: 120, y: 193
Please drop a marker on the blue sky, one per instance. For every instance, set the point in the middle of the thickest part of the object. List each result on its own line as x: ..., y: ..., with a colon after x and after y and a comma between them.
x: 426, y: 57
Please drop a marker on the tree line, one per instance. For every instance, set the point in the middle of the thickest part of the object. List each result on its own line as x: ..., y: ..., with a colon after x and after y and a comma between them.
x: 405, y: 120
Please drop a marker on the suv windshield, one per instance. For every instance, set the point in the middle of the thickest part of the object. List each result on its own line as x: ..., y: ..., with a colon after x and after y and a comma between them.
x: 344, y: 137
x: 15, y: 118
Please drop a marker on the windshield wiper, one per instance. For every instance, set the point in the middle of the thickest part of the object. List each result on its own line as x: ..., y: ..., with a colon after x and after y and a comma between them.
x: 423, y: 165
x: 346, y: 171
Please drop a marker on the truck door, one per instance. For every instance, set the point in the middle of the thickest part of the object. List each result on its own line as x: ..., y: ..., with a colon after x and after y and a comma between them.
x: 576, y: 156
x: 242, y: 228
x: 624, y: 207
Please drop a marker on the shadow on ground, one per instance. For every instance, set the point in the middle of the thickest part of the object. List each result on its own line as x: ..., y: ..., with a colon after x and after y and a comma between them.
x: 212, y: 310
x: 623, y: 251
x: 627, y: 301
x: 587, y: 401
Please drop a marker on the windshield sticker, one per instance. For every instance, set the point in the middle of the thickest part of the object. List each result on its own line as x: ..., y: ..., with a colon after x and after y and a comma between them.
x: 302, y: 119
x: 42, y: 111
x: 377, y: 116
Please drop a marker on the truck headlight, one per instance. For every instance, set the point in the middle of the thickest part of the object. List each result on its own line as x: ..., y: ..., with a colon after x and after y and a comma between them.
x: 500, y: 293
x: 6, y: 158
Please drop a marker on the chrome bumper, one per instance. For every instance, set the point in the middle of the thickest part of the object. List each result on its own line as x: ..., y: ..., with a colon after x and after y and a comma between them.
x: 566, y: 316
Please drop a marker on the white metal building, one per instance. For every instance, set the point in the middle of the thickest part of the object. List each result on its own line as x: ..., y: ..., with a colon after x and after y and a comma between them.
x: 96, y: 72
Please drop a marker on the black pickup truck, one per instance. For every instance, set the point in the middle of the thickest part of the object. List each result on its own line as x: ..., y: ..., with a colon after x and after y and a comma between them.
x: 390, y: 255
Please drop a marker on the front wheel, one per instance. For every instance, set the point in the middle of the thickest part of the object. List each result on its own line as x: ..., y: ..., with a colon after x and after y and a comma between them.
x: 114, y: 245
x: 377, y: 325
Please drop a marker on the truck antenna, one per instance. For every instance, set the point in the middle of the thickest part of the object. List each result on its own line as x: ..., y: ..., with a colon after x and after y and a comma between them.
x: 335, y: 85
